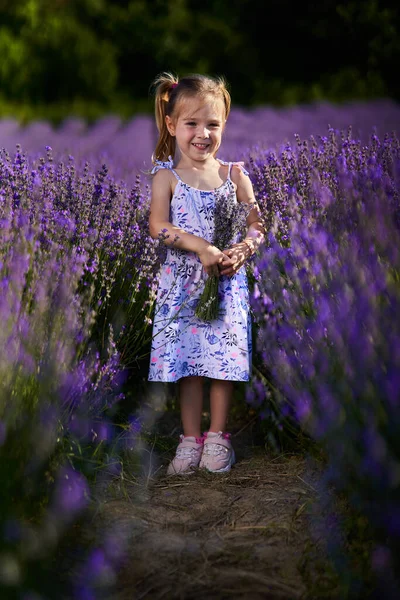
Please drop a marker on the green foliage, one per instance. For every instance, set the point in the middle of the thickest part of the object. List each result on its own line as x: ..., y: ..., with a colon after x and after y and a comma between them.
x: 56, y: 112
x: 92, y: 51
x: 49, y: 54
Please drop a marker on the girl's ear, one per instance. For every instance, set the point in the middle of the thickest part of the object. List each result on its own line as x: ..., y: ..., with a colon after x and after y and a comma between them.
x: 170, y: 125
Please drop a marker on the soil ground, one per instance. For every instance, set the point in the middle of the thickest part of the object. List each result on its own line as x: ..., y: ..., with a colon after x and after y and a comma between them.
x: 249, y: 534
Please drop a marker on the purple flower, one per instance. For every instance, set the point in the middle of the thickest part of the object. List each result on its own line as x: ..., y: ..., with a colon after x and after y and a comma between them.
x: 71, y: 493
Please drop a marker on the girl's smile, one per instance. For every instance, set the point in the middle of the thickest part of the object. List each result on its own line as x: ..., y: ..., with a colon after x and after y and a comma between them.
x: 201, y: 146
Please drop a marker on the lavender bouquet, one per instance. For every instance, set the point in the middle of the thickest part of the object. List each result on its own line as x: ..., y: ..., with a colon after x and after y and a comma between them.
x: 229, y: 220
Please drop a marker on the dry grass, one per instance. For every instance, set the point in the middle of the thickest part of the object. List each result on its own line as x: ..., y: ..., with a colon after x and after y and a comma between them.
x: 243, y: 534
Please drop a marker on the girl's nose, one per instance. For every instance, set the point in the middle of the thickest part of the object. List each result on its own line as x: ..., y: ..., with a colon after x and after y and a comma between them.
x: 204, y: 132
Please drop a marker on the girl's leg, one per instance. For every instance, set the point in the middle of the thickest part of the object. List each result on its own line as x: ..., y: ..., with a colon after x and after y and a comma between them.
x: 221, y: 393
x: 191, y: 402
x: 218, y: 456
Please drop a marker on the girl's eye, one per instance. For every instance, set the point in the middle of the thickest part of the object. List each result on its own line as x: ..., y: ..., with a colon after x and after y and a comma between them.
x: 193, y: 124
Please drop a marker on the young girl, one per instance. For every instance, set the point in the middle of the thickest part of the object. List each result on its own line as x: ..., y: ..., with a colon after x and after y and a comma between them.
x: 191, y: 114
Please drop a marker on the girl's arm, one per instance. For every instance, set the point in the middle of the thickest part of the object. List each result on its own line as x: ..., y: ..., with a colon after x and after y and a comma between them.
x: 160, y: 226
x: 241, y: 251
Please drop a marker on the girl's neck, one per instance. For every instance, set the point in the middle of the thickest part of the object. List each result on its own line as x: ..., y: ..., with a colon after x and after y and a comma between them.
x: 188, y: 164
x: 205, y: 176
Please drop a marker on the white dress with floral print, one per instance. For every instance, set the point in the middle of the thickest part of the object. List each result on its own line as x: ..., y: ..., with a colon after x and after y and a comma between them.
x: 182, y: 344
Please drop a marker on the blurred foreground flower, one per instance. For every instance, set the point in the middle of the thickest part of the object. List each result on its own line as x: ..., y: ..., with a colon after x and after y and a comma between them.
x: 60, y: 377
x: 326, y: 301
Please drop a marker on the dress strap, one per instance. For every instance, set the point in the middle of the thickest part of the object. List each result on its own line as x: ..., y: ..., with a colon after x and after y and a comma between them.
x: 238, y: 163
x: 167, y: 164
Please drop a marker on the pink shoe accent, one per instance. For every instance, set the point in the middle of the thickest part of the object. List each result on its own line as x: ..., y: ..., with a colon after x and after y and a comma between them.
x: 225, y: 435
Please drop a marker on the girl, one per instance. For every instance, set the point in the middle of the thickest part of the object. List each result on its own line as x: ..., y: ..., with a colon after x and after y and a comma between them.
x: 190, y: 115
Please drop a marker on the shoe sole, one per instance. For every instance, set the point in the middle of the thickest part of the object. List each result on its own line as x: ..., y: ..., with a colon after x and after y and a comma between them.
x: 193, y: 470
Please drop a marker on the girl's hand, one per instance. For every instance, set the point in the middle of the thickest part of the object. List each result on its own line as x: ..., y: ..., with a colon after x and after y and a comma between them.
x: 211, y: 258
x: 237, y: 254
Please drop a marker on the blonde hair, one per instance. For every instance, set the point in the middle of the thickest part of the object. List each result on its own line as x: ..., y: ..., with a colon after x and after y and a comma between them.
x: 170, y: 91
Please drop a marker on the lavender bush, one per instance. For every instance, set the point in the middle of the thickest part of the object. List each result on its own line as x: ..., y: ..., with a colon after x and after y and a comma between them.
x: 72, y: 294
x: 326, y: 300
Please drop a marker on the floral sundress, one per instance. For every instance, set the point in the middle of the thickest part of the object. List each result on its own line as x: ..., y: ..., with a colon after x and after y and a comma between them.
x: 182, y: 344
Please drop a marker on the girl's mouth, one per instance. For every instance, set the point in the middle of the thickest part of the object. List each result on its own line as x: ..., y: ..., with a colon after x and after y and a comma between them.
x: 201, y: 146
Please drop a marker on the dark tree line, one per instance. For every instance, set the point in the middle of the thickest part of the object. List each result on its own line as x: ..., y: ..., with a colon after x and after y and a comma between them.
x: 53, y: 50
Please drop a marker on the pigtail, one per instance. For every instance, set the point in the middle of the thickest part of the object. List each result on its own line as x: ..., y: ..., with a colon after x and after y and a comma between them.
x: 164, y: 86
x: 222, y: 87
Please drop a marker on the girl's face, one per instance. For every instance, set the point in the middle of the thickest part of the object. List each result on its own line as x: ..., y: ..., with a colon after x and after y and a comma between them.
x: 198, y: 127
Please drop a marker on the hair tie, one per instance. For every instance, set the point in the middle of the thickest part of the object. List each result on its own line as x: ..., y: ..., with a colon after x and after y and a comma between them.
x: 173, y: 86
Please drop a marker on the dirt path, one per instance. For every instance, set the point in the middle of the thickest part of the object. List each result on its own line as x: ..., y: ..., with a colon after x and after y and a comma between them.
x: 244, y: 534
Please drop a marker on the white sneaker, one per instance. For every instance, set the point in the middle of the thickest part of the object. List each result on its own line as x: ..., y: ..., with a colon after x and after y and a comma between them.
x: 187, y: 457
x: 218, y: 455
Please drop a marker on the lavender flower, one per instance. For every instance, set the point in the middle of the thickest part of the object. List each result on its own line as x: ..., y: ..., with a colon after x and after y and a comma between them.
x: 325, y: 300
x: 71, y: 245
x: 229, y: 222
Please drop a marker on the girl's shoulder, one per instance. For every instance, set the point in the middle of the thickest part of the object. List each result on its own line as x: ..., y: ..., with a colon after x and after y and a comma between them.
x: 163, y: 180
x: 241, y: 180
x: 162, y: 165
x: 235, y: 167
x: 163, y: 175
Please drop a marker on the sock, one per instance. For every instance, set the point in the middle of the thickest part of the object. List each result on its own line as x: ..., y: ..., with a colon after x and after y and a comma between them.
x: 212, y: 433
x: 191, y: 438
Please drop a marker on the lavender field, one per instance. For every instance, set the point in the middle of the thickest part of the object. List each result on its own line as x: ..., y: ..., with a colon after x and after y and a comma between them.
x: 126, y: 147
x: 78, y: 276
